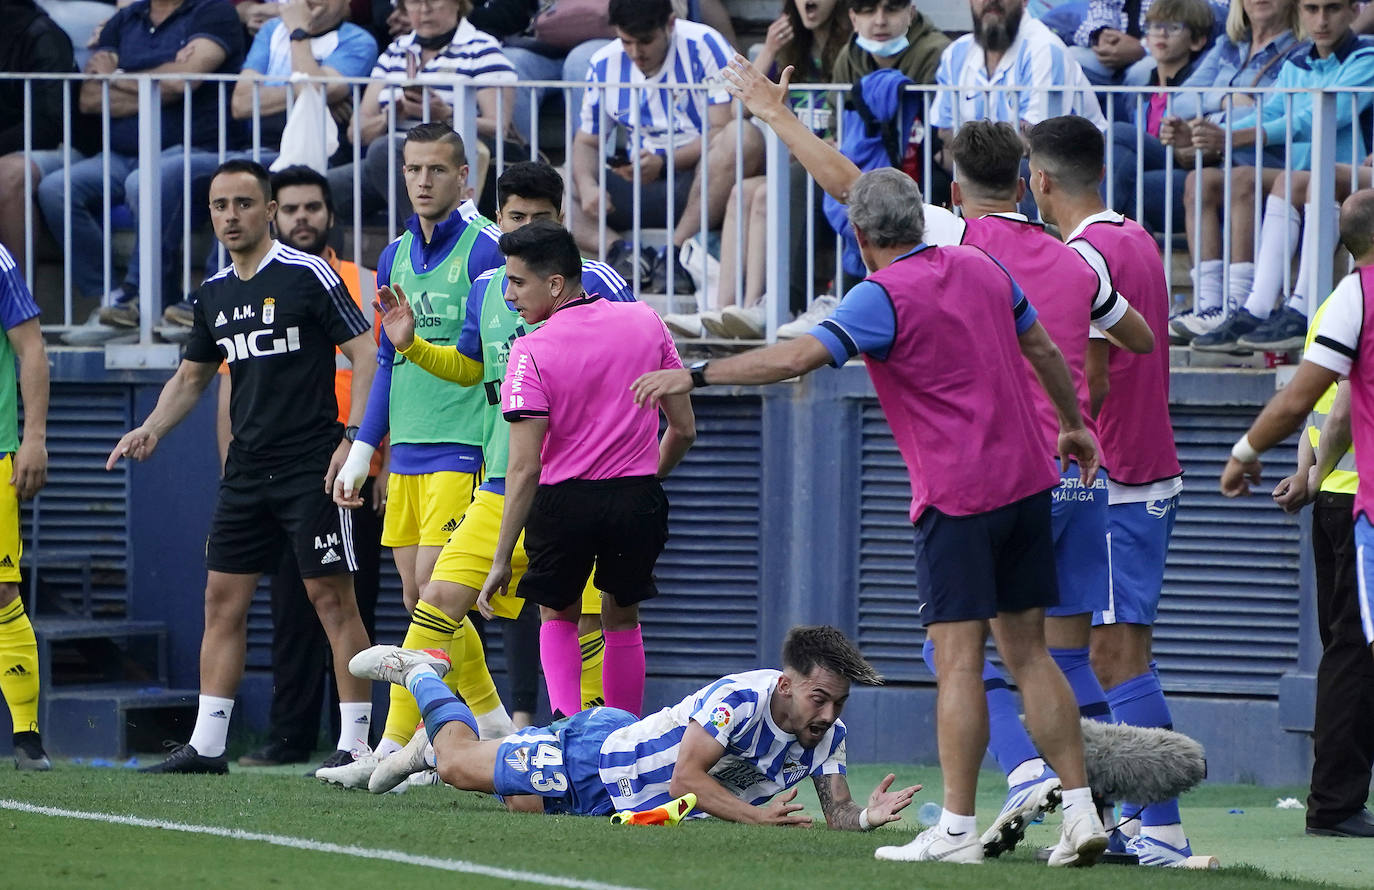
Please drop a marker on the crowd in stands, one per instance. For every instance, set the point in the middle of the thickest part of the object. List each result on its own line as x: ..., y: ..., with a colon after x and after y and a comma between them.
x: 637, y: 156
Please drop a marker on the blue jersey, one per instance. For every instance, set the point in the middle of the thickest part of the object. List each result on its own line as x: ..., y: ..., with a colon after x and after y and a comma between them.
x: 760, y: 759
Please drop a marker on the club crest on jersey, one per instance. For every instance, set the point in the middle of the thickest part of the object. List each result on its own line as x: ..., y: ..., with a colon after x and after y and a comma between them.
x: 269, y: 310
x: 793, y: 772
x: 519, y: 760
x: 721, y: 716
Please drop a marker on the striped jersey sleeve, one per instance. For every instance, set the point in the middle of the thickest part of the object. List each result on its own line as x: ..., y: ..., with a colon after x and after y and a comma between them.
x: 1108, y: 306
x: 17, y: 305
x: 600, y: 279
x: 343, y: 320
x: 1337, y: 344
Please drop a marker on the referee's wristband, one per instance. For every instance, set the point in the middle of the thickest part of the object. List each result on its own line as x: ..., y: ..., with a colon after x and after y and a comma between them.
x: 864, y: 824
x: 1243, y: 451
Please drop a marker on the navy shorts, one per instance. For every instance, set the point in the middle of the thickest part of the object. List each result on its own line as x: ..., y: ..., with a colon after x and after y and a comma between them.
x: 1079, y: 523
x: 561, y: 762
x: 970, y: 568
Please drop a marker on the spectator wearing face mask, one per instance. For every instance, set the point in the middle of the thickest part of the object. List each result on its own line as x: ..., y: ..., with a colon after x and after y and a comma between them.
x: 890, y: 34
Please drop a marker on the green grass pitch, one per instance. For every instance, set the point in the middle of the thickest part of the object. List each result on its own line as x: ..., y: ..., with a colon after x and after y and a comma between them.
x: 1263, y: 846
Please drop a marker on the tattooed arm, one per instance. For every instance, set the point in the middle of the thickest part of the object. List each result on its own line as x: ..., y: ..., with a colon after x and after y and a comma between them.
x: 843, y: 814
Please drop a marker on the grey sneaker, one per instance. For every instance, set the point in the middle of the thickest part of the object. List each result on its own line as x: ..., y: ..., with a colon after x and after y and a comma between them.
x: 1284, y: 330
x: 744, y: 322
x: 181, y: 314
x: 820, y: 308
x: 686, y: 325
x: 120, y: 309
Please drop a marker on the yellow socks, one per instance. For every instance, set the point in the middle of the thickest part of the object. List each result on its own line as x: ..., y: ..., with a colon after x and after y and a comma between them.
x: 19, y: 666
x: 593, y: 654
x: 429, y: 629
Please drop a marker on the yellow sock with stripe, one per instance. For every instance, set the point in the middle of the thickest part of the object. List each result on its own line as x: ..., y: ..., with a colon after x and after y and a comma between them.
x: 474, y: 684
x: 429, y: 628
x: 19, y: 666
x: 593, y: 655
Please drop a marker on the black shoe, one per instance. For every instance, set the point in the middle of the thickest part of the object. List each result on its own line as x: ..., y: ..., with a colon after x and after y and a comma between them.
x: 620, y: 256
x: 185, y: 759
x: 275, y: 753
x: 683, y: 284
x: 29, y: 753
x: 339, y: 758
x: 1359, y: 825
x: 1225, y: 336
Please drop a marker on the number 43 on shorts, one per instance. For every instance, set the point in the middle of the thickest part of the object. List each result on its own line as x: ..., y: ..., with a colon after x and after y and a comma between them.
x: 548, y: 758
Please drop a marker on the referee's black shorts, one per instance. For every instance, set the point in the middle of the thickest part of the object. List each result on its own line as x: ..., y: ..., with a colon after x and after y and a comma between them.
x: 261, y: 511
x: 620, y: 525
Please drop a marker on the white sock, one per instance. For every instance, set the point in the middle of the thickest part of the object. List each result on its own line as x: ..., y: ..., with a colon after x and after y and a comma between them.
x: 1170, y: 834
x: 1207, y: 286
x: 955, y: 825
x: 1239, y: 279
x: 355, y: 725
x: 386, y: 747
x: 1298, y: 299
x: 415, y: 674
x: 1077, y: 797
x: 494, y: 724
x: 1278, y: 240
x: 430, y: 760
x: 1031, y: 769
x: 212, y: 725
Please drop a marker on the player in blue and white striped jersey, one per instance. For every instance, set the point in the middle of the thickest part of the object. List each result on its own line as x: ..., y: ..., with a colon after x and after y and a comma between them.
x: 736, y: 744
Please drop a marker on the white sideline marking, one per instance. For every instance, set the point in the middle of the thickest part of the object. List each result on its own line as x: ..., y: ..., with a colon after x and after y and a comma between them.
x: 297, y: 843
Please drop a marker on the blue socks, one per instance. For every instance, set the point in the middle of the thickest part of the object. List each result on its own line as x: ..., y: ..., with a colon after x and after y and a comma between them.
x: 1140, y: 702
x: 1078, y: 670
x: 1008, y: 740
x: 437, y: 704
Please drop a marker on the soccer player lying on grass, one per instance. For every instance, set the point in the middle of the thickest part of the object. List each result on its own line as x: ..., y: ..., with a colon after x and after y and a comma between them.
x: 736, y: 744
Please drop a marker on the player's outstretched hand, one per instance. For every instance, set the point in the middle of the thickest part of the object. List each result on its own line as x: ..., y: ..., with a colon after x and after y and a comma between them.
x: 884, y: 805
x: 782, y: 811
x: 1080, y: 444
x: 398, y: 319
x: 1237, y: 478
x: 138, y: 444
x: 497, y: 584
x: 752, y: 87
x: 652, y: 387
x: 30, y: 468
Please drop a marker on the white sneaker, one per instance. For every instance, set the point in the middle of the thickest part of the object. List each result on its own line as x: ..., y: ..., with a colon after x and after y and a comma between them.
x: 744, y: 322
x: 684, y: 325
x: 350, y: 775
x: 1024, y: 804
x: 1195, y: 324
x: 820, y: 307
x: 934, y: 845
x: 1081, y: 840
x: 714, y: 324
x: 392, y: 663
x: 400, y: 765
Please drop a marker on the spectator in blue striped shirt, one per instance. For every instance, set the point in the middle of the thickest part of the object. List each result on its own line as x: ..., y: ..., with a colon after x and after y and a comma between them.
x: 654, y: 53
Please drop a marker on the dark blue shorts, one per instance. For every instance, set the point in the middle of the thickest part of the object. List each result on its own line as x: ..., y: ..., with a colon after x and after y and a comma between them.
x: 970, y: 568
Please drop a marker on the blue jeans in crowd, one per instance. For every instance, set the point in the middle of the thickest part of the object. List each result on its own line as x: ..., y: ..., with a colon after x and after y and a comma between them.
x: 1137, y: 74
x: 87, y: 192
x: 530, y: 65
x: 1159, y: 187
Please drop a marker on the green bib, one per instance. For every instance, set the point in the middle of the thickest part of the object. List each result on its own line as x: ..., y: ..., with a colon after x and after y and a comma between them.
x: 9, y: 405
x: 500, y: 325
x: 424, y: 408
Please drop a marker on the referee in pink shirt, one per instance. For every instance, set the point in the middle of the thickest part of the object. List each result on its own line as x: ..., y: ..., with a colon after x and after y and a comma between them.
x: 585, y: 461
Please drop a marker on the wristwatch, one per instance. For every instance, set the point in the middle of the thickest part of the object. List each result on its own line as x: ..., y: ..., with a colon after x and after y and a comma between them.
x: 300, y: 34
x: 351, y: 433
x: 698, y: 370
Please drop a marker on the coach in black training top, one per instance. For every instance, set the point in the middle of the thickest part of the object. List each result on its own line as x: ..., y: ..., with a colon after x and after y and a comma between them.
x: 275, y: 315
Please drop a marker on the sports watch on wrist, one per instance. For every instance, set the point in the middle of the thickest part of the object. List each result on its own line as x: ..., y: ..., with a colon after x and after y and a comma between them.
x: 698, y: 370
x: 300, y: 34
x: 351, y: 433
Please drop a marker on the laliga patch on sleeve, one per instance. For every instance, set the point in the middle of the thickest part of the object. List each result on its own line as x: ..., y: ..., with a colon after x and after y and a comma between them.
x: 721, y: 716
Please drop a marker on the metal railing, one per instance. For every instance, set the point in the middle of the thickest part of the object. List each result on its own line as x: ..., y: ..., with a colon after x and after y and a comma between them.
x: 786, y: 225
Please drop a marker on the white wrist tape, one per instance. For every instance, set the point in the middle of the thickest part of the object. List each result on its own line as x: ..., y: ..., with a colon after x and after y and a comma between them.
x: 864, y: 824
x: 1243, y: 451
